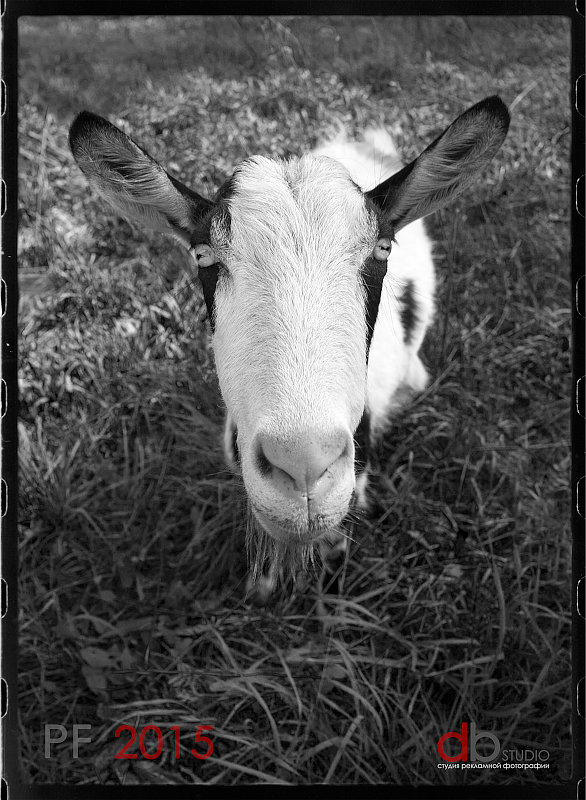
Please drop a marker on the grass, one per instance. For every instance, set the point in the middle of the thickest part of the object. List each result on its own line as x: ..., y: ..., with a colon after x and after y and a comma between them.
x: 456, y: 602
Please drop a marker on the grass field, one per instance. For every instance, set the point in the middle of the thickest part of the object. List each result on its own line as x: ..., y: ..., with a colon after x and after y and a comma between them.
x: 456, y: 600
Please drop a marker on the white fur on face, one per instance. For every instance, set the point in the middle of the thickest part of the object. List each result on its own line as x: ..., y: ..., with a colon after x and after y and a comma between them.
x: 290, y: 341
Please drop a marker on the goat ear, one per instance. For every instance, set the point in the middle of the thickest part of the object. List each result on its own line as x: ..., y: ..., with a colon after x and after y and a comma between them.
x: 131, y: 181
x: 446, y: 167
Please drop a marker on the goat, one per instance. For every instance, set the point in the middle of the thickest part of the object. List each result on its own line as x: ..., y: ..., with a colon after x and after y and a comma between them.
x: 316, y: 324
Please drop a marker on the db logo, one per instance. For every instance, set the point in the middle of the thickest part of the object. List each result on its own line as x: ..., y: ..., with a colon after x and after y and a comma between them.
x: 468, y: 744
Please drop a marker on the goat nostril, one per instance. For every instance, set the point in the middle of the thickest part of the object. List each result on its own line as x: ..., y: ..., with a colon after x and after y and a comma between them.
x: 302, y: 466
x: 270, y: 470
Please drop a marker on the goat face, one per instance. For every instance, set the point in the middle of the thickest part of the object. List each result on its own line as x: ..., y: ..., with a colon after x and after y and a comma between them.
x: 290, y: 336
x: 291, y: 256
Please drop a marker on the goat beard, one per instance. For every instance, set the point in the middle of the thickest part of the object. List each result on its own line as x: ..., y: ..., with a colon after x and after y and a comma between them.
x: 287, y: 559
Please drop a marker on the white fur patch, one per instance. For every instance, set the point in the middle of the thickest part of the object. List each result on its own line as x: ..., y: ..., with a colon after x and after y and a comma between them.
x: 290, y: 340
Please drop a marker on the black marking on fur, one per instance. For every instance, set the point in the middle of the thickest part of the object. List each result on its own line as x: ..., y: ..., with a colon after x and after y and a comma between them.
x: 373, y: 273
x: 208, y: 277
x: 226, y: 190
x: 219, y: 210
x: 202, y: 227
x: 235, y: 450
x: 408, y: 312
x: 362, y: 442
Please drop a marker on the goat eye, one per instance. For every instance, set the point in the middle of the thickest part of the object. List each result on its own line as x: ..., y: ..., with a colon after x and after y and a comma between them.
x: 204, y: 255
x: 382, y: 249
